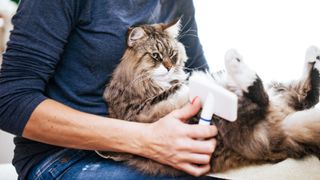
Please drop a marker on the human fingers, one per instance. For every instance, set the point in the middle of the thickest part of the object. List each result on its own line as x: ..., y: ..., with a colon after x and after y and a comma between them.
x: 196, y: 158
x: 201, y: 146
x: 188, y: 110
x: 194, y: 169
x: 201, y: 131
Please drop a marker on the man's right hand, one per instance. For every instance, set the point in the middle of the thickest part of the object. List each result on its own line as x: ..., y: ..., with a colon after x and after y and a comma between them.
x: 185, y: 147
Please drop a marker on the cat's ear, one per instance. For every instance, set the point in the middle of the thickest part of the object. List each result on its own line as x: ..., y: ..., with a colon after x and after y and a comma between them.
x: 173, y: 28
x: 135, y: 34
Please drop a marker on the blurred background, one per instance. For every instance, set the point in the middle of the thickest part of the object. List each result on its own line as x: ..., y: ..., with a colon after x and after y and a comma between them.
x: 7, y: 10
x: 271, y: 35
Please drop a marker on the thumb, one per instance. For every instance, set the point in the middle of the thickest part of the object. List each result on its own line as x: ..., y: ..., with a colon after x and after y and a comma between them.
x: 189, y: 110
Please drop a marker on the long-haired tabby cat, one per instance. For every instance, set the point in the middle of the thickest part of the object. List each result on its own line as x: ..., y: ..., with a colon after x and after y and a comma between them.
x: 274, y: 123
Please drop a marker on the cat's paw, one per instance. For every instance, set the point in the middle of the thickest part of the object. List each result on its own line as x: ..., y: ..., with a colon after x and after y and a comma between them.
x: 232, y: 60
x: 238, y: 70
x: 313, y: 56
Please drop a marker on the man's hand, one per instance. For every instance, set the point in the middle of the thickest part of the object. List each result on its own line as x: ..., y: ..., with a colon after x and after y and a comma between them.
x: 186, y: 147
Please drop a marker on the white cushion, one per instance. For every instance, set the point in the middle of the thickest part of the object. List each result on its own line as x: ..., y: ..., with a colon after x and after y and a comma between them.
x: 307, y: 169
x: 8, y: 172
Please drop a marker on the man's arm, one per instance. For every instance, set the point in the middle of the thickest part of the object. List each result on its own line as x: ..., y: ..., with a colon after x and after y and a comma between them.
x: 169, y: 140
x: 34, y: 50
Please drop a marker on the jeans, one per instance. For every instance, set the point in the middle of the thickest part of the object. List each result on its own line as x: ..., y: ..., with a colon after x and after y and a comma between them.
x: 86, y: 165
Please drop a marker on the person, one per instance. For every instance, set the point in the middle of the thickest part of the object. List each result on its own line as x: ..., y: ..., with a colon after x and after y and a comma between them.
x: 59, y: 58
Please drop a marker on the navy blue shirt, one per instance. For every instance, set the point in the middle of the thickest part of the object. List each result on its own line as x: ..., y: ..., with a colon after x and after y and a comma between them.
x: 66, y: 50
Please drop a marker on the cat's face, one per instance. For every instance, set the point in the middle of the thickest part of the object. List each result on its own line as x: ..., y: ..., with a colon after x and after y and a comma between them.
x: 158, y: 53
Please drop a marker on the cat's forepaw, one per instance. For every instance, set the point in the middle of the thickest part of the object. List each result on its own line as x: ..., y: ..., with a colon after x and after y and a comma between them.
x: 238, y: 70
x: 312, y: 61
x: 313, y: 57
x: 232, y: 60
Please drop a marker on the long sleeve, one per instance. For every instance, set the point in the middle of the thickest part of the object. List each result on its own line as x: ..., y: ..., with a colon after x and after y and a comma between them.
x: 41, y: 31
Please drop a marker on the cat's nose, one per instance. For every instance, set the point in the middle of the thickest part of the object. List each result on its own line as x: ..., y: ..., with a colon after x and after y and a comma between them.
x: 167, y: 65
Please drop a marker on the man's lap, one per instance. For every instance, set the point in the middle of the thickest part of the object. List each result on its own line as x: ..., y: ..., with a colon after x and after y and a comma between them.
x: 77, y: 164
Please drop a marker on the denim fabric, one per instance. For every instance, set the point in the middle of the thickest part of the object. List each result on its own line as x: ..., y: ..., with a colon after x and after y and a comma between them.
x: 86, y: 165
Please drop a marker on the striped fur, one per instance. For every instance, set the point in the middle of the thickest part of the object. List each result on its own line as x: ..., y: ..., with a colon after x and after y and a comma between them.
x: 148, y: 84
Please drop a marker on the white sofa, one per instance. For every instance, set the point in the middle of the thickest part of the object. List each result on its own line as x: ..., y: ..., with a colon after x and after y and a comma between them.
x: 289, y: 169
x: 7, y: 172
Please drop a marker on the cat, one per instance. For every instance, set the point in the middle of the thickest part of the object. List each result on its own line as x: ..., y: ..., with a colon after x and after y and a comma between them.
x: 273, y: 123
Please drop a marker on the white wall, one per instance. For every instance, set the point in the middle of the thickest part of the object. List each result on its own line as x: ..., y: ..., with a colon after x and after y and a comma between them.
x: 272, y: 35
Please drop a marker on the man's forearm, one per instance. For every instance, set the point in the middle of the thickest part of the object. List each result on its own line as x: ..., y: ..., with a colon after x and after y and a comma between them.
x: 57, y: 124
x: 168, y: 140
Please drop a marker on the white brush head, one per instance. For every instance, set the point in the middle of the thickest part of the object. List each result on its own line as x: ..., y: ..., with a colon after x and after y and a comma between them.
x: 223, y: 102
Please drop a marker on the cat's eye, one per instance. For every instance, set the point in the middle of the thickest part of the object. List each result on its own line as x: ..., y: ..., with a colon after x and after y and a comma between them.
x: 156, y: 56
x: 174, y: 58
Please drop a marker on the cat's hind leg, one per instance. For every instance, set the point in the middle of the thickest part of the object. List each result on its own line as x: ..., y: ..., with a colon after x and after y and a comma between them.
x: 247, y: 79
x: 302, y: 130
x: 303, y: 127
x: 309, y: 84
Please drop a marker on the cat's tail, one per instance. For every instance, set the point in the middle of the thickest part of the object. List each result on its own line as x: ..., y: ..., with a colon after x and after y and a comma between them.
x: 302, y: 130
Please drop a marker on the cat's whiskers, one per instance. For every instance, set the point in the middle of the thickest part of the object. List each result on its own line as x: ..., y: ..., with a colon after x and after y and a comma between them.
x: 189, y: 32
x: 184, y: 32
x: 185, y: 25
x: 196, y: 68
